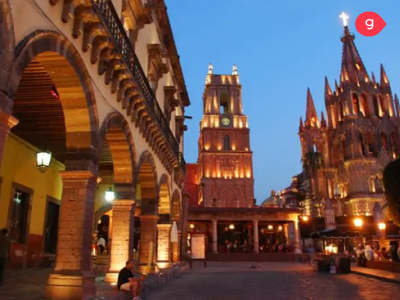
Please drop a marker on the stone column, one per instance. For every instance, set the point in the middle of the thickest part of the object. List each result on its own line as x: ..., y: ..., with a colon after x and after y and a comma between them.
x: 72, y: 277
x: 148, y: 233
x: 163, y: 245
x: 256, y: 241
x: 122, y: 230
x: 215, y: 236
x: 286, y: 231
x: 296, y: 244
x: 176, y: 248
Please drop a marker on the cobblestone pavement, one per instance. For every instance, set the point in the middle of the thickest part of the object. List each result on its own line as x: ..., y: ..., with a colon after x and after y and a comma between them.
x: 233, y: 281
x: 275, y: 281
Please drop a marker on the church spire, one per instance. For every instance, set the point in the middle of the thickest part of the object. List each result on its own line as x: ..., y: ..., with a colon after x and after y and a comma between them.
x: 323, y: 121
x: 311, y: 113
x: 301, y: 127
x: 328, y: 90
x: 353, y: 69
x: 385, y: 84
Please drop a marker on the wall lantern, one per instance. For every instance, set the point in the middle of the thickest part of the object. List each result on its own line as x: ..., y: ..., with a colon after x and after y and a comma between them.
x: 191, y: 226
x: 110, y: 195
x: 231, y: 226
x: 382, y: 226
x: 43, y: 159
x: 304, y: 218
x: 358, y: 222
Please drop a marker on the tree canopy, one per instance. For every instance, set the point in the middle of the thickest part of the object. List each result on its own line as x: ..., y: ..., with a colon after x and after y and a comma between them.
x: 312, y: 162
x: 391, y: 182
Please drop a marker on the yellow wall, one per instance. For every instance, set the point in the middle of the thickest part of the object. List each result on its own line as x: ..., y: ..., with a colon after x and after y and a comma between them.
x: 19, y: 166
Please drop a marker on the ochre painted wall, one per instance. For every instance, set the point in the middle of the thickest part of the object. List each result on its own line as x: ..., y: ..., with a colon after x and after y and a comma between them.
x: 19, y: 166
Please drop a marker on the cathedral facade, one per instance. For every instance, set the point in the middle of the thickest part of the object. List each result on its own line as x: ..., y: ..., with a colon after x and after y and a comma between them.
x: 347, y: 151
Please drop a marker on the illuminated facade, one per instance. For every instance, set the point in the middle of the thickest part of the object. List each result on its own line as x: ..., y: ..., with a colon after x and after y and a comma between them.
x: 225, y: 158
x: 359, y: 137
x: 219, y: 188
x: 98, y: 83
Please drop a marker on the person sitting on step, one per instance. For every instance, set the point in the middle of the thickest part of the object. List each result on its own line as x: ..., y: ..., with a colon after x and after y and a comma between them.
x: 130, y: 281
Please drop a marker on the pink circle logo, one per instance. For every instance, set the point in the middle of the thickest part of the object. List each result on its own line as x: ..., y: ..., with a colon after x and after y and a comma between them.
x: 369, y: 23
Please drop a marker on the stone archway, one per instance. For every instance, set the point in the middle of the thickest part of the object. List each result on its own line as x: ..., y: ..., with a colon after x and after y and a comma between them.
x: 117, y: 164
x: 176, y: 215
x: 51, y: 51
x: 164, y: 223
x: 147, y: 186
x: 7, y: 46
x: 63, y: 112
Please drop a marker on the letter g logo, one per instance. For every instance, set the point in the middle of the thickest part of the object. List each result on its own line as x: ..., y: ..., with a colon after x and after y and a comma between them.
x: 369, y: 23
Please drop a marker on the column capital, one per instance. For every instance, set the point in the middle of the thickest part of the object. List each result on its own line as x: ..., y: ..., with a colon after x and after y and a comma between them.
x: 77, y: 175
x: 7, y: 119
x: 148, y: 217
x: 164, y: 226
x: 125, y: 190
x: 122, y: 203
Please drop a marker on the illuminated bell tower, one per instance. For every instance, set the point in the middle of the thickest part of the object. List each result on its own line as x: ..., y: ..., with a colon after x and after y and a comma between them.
x: 225, y: 159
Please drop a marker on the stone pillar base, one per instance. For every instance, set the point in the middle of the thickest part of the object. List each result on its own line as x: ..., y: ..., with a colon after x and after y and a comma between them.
x: 163, y: 264
x: 142, y: 268
x: 297, y: 249
x: 111, y: 277
x: 71, y: 286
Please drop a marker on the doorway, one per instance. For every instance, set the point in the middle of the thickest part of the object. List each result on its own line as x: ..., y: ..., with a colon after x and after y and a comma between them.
x: 51, y: 227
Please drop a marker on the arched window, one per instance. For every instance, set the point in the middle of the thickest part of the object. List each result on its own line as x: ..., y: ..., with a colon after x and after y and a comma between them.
x: 227, y: 143
x: 361, y: 144
x: 370, y: 144
x: 376, y: 106
x: 384, y: 140
x: 364, y: 105
x: 383, y: 102
x: 340, y: 112
x: 356, y: 104
x: 343, y: 147
x: 224, y: 104
x: 314, y: 147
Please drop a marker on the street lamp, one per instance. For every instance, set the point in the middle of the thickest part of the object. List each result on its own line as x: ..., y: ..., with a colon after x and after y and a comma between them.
x: 382, y: 226
x: 43, y: 159
x: 358, y: 223
x: 110, y: 195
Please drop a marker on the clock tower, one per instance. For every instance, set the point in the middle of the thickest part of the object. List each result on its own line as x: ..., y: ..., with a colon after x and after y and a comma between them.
x: 225, y: 159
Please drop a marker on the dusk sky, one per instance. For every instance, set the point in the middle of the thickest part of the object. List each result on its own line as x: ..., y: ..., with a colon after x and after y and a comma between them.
x: 280, y: 48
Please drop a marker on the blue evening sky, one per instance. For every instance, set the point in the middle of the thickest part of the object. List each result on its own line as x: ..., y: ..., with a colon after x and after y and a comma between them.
x: 280, y: 48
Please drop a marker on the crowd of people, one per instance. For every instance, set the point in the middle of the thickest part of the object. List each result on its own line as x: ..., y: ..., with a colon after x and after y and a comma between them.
x: 368, y: 252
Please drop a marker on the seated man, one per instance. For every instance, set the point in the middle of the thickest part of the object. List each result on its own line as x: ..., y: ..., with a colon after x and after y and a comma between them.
x: 130, y: 281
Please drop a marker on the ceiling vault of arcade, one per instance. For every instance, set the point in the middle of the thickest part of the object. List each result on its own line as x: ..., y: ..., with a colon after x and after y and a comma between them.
x: 39, y: 110
x: 40, y: 114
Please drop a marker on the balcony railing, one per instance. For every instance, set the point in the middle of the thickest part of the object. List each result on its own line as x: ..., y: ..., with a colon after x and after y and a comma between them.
x: 110, y: 19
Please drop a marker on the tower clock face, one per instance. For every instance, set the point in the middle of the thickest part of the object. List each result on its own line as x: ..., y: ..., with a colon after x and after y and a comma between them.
x: 225, y: 121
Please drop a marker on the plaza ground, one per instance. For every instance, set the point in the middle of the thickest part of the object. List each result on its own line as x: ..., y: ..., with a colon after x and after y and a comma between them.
x: 219, y: 281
